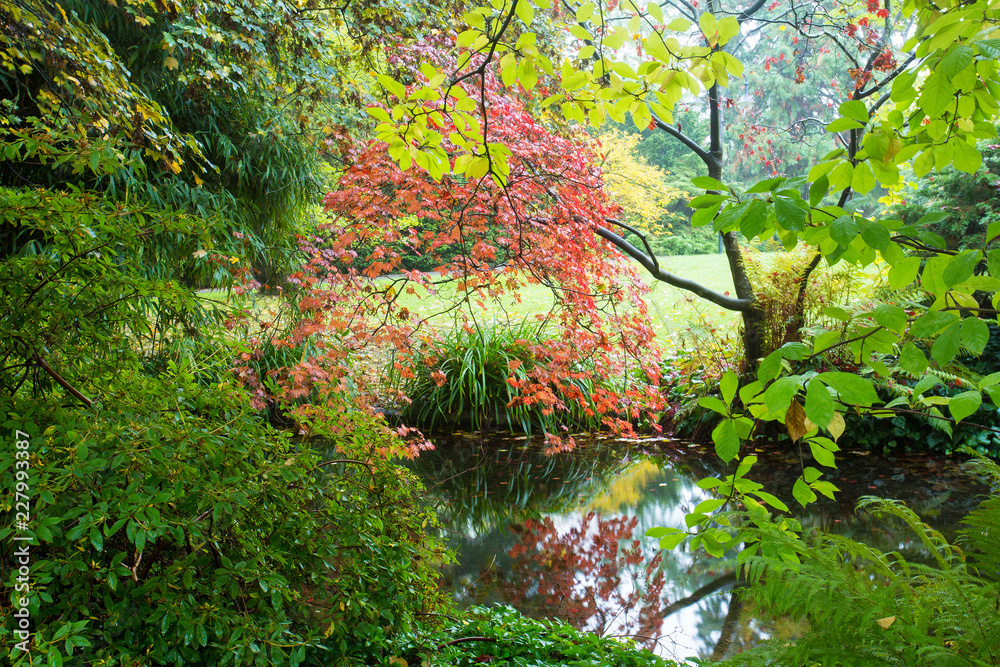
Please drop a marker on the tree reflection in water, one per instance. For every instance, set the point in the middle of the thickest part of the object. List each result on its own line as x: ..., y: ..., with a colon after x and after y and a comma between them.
x: 563, y: 536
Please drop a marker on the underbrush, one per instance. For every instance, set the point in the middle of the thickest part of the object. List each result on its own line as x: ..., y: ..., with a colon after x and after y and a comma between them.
x: 501, y: 635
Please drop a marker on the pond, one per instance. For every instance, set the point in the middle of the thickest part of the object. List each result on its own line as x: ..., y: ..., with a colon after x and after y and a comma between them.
x: 563, y: 535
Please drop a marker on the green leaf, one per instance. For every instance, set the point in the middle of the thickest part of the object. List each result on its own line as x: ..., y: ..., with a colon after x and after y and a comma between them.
x: 903, y: 272
x: 771, y: 500
x: 863, y: 180
x: 767, y: 185
x: 912, y: 359
x: 779, y: 395
x: 708, y: 183
x: 842, y: 124
x: 727, y: 442
x: 975, y: 334
x: 961, y: 267
x: 714, y: 404
x: 844, y: 230
x: 802, y: 493
x: 966, y: 157
x: 96, y: 538
x: 855, y: 109
x: 818, y: 190
x: 874, y: 234
x: 728, y: 385
x: 853, y: 389
x: 937, y: 95
x: 891, y: 317
x: 964, y: 404
x: 929, y: 324
x: 525, y: 12
x: 956, y: 59
x: 671, y: 541
x: 789, y: 214
x: 947, y: 344
x: 823, y: 456
x: 754, y: 219
x: 819, y: 404
x: 769, y: 367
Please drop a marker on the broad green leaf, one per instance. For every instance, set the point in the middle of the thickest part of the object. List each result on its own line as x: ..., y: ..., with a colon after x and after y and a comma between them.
x: 842, y: 124
x: 728, y: 385
x: 964, y: 404
x: 975, y: 335
x: 853, y: 389
x: 771, y: 500
x: 709, y: 26
x: 961, y: 267
x: 769, y: 367
x: 779, y: 395
x: 526, y: 12
x: 947, y: 344
x: 818, y: 190
x: 709, y: 506
x: 767, y: 185
x: 926, y: 326
x: 903, y: 272
x: 863, y: 180
x: 912, y: 359
x: 874, y: 234
x: 789, y: 214
x: 709, y: 183
x: 844, y: 230
x: 966, y: 157
x: 891, y: 317
x: 727, y: 443
x: 956, y: 59
x: 671, y: 541
x: 819, y: 404
x: 728, y: 28
x: 938, y: 93
x: 714, y: 404
x: 802, y: 493
x: 823, y: 456
x: 754, y: 219
x: 855, y: 109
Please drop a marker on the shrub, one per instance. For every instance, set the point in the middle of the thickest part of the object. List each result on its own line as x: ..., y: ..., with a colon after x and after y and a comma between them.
x: 503, y: 635
x: 172, y: 526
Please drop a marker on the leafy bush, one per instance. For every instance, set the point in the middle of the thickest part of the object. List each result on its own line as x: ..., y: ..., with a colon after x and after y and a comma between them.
x: 501, y: 634
x: 172, y: 526
x: 473, y: 378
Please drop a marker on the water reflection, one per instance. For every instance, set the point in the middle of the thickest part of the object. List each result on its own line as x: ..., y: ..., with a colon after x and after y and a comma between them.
x: 562, y: 536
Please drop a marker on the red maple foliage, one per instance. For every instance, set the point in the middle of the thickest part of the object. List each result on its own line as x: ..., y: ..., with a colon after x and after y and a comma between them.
x: 485, y: 240
x: 595, y: 576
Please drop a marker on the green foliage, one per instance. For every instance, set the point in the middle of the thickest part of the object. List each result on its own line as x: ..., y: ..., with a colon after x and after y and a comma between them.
x: 957, y: 207
x: 488, y: 634
x: 935, y: 606
x: 172, y: 525
x: 485, y: 376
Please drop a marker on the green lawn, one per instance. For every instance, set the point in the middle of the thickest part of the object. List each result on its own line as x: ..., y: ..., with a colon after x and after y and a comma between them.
x: 672, y: 310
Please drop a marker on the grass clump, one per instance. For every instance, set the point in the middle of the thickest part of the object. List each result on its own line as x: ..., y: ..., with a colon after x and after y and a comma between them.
x: 495, y: 376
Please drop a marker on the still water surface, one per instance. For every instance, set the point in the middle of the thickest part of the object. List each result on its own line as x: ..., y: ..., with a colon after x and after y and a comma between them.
x: 563, y: 536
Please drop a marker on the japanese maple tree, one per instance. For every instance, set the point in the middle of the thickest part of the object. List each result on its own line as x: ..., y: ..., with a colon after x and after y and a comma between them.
x: 487, y: 237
